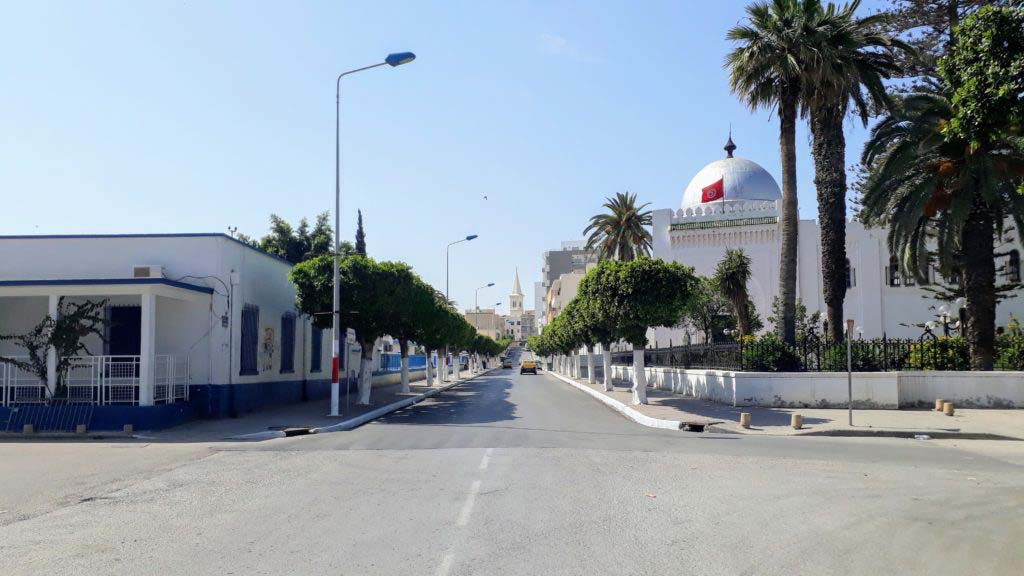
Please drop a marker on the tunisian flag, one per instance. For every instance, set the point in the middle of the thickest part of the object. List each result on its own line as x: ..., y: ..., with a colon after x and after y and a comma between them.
x: 713, y: 192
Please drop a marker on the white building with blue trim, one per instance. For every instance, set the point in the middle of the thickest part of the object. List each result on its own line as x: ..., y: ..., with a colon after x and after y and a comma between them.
x: 199, y: 325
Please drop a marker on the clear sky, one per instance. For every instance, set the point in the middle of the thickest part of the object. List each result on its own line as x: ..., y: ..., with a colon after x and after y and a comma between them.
x: 195, y: 116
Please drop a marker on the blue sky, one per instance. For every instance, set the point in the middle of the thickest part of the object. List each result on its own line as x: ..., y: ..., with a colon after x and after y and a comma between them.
x: 194, y: 116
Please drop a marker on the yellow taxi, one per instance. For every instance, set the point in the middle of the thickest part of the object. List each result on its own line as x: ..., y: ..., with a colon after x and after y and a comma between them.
x: 528, y: 366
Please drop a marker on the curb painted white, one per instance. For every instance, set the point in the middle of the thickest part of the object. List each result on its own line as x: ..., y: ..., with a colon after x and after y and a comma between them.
x: 394, y: 406
x: 626, y: 411
x: 264, y: 435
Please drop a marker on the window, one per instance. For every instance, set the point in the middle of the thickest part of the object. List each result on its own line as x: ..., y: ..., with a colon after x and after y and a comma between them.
x: 1013, y: 266
x: 287, y: 343
x: 250, y: 340
x: 851, y: 275
x: 316, y: 353
x: 894, y: 271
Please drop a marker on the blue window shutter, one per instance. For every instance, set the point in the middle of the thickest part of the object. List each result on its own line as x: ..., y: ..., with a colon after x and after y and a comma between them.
x: 317, y: 349
x: 249, y: 340
x: 288, y: 343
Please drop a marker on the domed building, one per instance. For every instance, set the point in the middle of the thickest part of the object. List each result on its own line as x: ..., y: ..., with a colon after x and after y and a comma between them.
x: 735, y: 203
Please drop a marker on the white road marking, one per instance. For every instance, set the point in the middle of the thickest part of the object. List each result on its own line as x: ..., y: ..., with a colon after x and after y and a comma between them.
x: 446, y: 565
x: 467, y: 507
x: 487, y: 458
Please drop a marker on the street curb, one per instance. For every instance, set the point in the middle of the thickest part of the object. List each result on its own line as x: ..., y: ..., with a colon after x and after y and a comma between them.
x: 621, y: 408
x: 934, y: 435
x: 268, y: 434
x: 393, y: 407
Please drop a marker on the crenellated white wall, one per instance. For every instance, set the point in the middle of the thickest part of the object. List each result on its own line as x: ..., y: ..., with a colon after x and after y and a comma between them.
x: 699, y: 236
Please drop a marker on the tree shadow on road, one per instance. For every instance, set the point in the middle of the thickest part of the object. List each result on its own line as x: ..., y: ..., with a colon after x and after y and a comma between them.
x: 461, y: 405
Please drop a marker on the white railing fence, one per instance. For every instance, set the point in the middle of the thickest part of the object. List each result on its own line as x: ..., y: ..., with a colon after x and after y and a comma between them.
x: 102, y: 380
x: 21, y: 386
x: 170, y: 378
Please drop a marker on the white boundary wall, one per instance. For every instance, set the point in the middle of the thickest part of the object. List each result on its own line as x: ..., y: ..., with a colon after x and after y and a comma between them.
x: 874, y: 390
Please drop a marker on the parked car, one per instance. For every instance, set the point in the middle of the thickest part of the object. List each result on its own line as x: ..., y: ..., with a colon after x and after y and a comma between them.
x: 528, y: 366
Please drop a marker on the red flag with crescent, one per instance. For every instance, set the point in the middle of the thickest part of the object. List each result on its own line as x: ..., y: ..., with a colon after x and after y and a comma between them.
x: 713, y: 192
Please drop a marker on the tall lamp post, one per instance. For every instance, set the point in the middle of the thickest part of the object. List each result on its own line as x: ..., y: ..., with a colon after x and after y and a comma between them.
x: 447, y: 298
x: 476, y: 295
x: 392, y: 60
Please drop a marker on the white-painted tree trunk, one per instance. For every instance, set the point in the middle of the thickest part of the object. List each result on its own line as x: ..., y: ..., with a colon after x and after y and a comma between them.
x: 404, y: 346
x: 639, y: 377
x: 591, y: 378
x: 405, y: 374
x: 429, y: 376
x: 606, y: 361
x: 365, y: 378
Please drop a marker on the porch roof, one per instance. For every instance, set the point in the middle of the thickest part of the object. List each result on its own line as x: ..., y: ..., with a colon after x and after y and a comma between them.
x: 100, y: 286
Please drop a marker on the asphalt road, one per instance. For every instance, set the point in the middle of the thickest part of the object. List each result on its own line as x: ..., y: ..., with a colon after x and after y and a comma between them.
x: 524, y: 475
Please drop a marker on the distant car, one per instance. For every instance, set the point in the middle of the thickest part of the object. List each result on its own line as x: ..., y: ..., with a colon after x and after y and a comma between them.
x: 528, y: 366
x: 506, y: 363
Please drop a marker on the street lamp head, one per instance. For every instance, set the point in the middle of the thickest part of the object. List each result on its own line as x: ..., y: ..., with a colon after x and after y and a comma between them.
x: 399, y: 58
x: 471, y: 237
x: 491, y: 284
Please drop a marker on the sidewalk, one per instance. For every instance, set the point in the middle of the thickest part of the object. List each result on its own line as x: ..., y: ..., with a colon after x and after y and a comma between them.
x: 298, y: 416
x: 664, y: 405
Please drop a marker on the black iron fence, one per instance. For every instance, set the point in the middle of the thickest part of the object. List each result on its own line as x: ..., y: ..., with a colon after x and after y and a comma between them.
x: 811, y: 354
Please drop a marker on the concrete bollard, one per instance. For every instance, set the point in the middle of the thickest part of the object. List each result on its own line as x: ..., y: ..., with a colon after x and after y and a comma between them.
x: 938, y: 404
x: 796, y: 421
x: 28, y: 429
x: 129, y: 429
x: 80, y: 429
x: 947, y: 408
x: 745, y: 419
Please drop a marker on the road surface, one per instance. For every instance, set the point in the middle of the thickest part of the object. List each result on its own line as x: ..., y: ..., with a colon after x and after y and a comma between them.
x: 525, y: 475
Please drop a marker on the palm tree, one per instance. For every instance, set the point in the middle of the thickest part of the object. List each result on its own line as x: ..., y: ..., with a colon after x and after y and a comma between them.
x: 731, y: 276
x: 941, y: 195
x: 766, y: 70
x: 847, y: 60
x: 621, y: 233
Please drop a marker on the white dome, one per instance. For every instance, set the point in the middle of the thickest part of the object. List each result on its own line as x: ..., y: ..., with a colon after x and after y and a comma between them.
x: 741, y: 179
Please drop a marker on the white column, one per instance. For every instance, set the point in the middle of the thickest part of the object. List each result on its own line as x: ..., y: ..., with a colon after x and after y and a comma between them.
x: 51, y: 353
x: 147, y: 348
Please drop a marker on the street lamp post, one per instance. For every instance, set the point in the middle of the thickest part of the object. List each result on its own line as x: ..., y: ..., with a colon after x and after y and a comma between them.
x: 447, y: 298
x: 476, y: 295
x: 392, y: 60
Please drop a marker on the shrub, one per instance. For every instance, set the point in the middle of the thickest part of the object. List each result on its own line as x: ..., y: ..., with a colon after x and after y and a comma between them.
x: 864, y: 356
x: 769, y: 354
x: 942, y: 353
x: 1009, y: 352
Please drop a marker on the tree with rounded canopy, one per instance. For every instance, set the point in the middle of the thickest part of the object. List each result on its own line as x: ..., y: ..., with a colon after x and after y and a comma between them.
x: 367, y: 305
x: 413, y: 308
x: 600, y: 323
x: 574, y: 334
x: 640, y: 294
